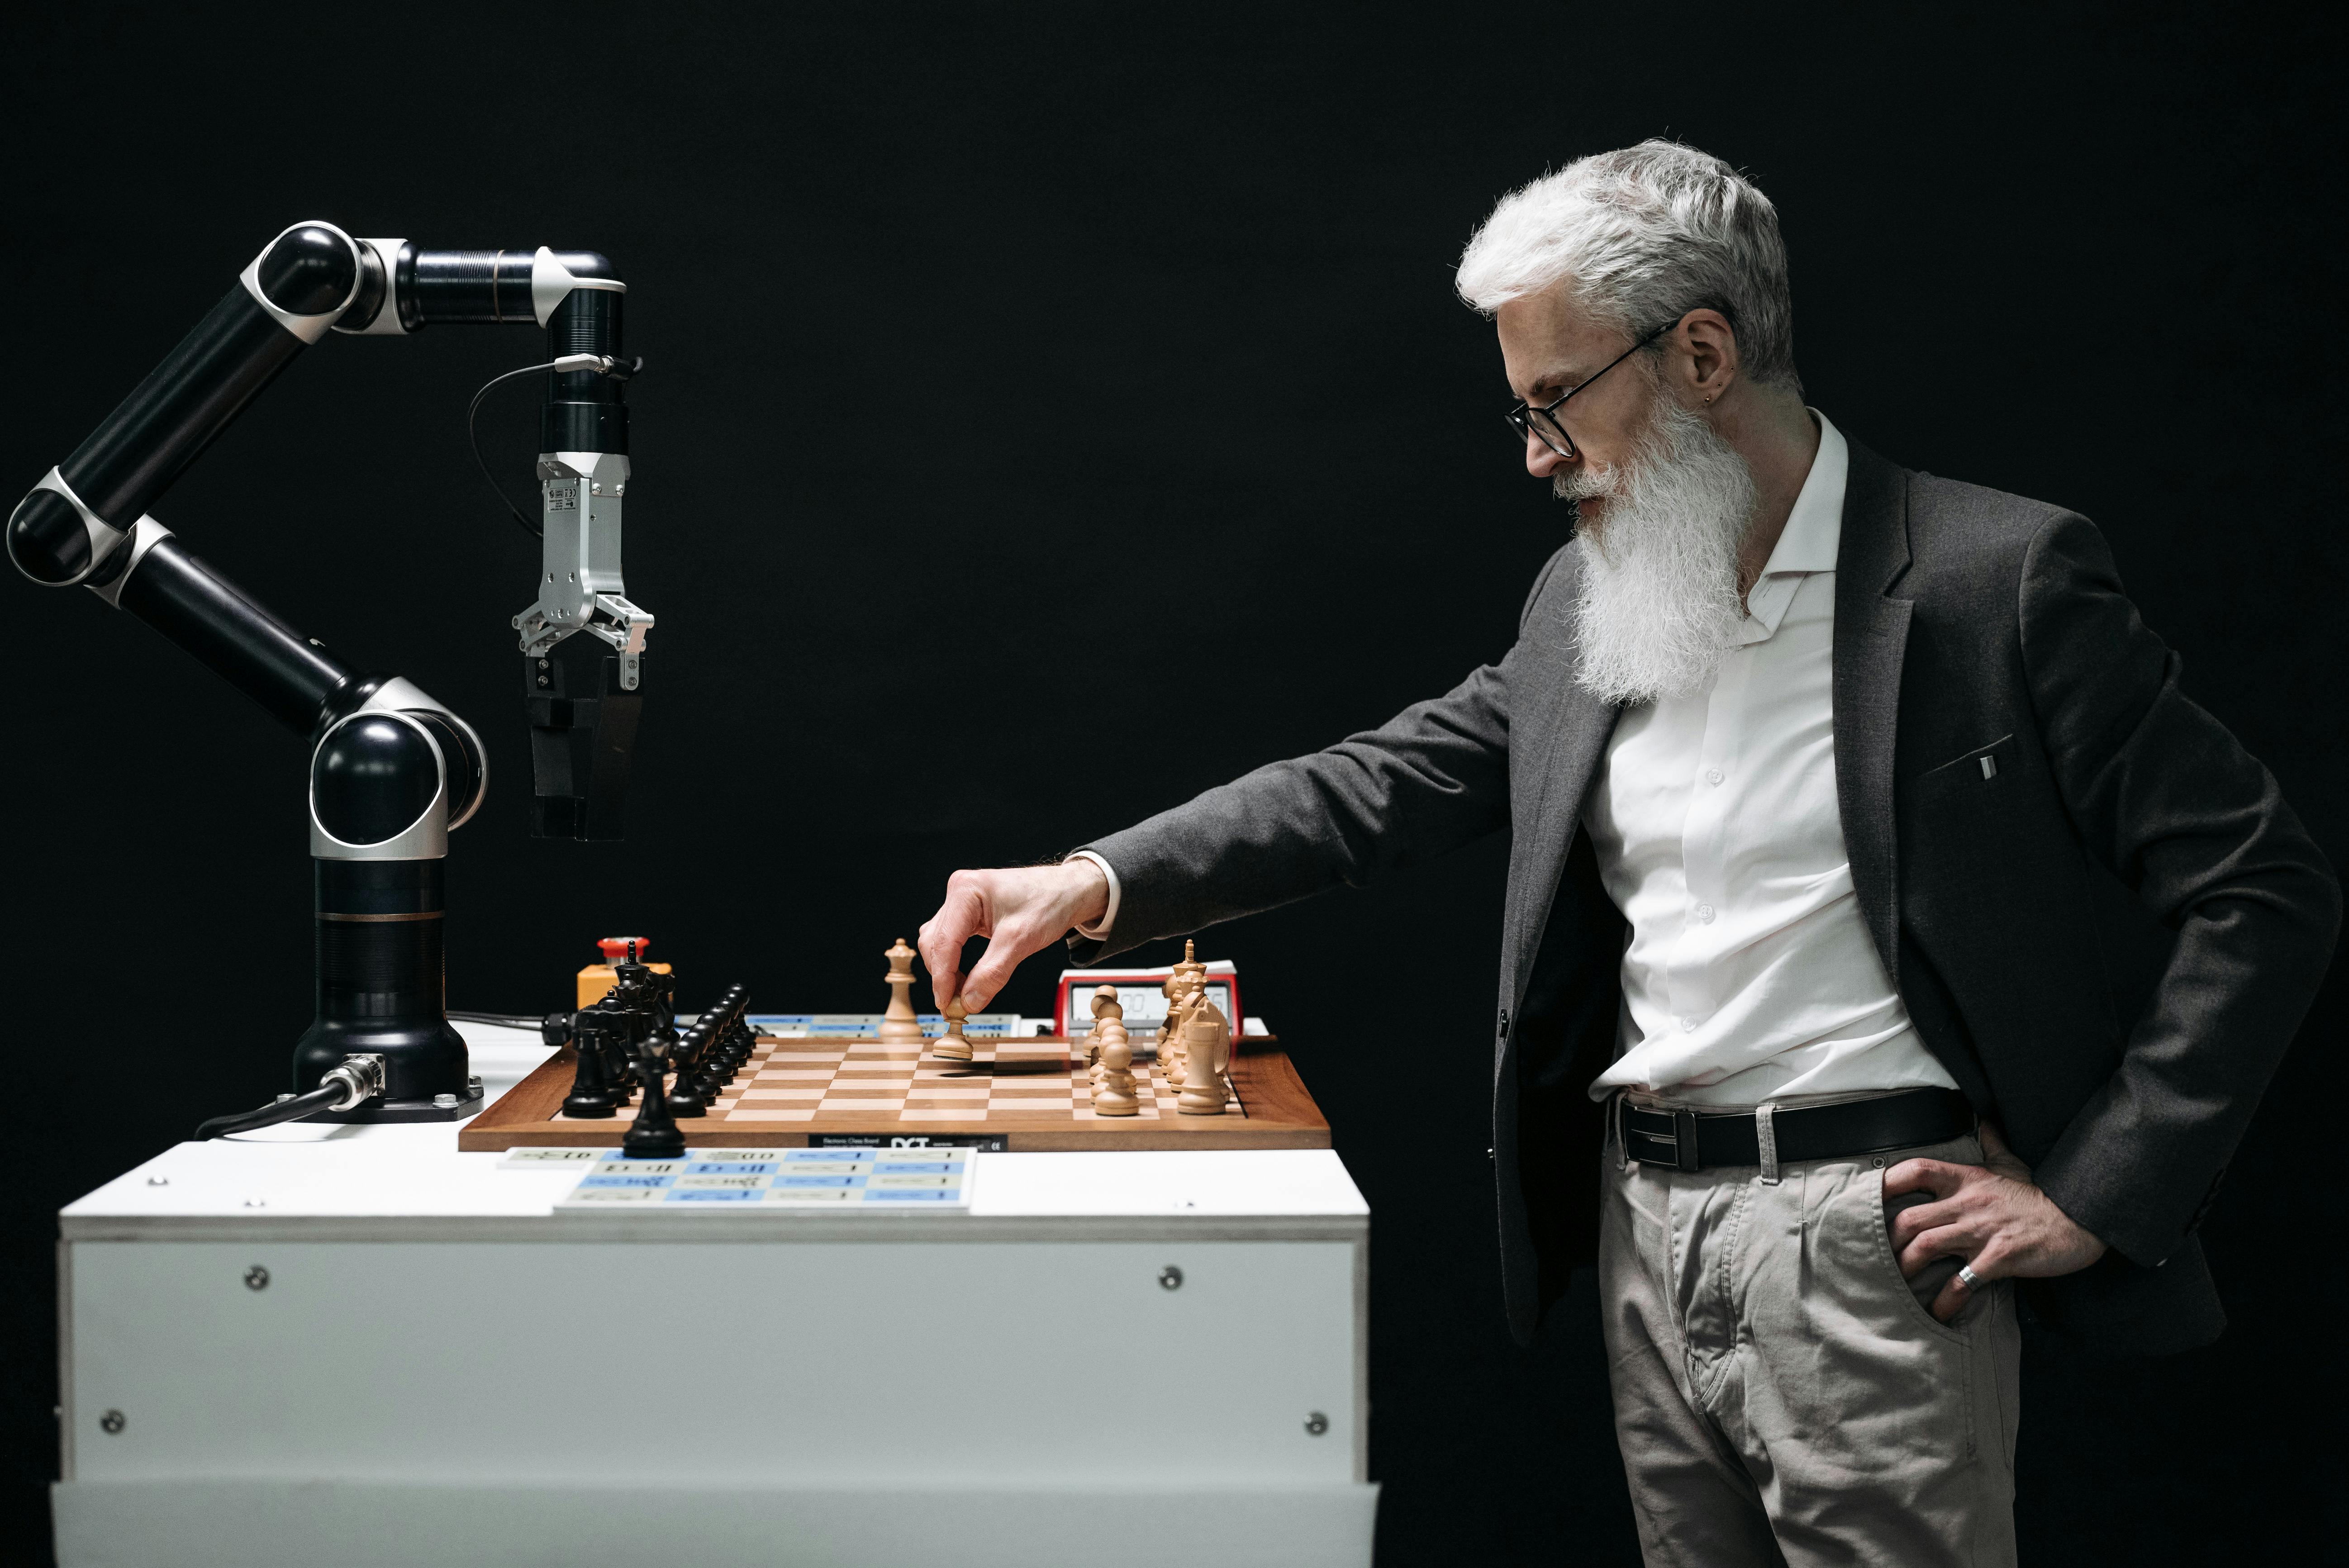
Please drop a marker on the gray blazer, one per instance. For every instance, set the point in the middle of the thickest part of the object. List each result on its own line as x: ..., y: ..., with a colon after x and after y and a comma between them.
x: 2108, y: 942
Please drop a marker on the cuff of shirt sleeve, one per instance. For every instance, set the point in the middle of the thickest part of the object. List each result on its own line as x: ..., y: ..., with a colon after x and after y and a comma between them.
x: 1098, y: 930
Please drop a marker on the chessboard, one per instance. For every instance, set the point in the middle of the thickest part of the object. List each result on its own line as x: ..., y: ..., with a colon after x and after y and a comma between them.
x: 1019, y: 1095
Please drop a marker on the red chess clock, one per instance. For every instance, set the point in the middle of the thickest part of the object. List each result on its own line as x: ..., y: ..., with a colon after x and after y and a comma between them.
x: 1141, y: 993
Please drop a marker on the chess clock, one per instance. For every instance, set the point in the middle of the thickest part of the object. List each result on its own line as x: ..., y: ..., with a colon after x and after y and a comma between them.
x: 1141, y: 992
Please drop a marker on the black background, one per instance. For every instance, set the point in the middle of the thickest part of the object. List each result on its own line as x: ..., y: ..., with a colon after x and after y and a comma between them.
x: 1050, y: 415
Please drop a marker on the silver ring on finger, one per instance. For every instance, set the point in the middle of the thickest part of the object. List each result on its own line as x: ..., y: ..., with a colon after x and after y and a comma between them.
x: 1967, y: 1277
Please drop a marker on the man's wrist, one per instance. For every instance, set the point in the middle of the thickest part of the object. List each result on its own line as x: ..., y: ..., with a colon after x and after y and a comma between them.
x: 1099, y: 927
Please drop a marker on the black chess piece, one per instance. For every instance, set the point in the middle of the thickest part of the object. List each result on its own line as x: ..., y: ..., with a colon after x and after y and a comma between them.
x: 705, y: 1077
x: 610, y: 1035
x: 609, y: 1031
x: 633, y: 1003
x: 737, y: 1041
x: 653, y: 1135
x: 635, y: 987
x: 591, y: 1096
x: 664, y: 998
x: 685, y: 1098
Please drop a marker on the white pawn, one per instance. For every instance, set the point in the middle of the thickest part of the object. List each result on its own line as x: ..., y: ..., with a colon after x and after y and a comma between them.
x: 1106, y: 1011
x: 954, y: 1046
x: 1112, y: 1033
x: 1115, y: 1096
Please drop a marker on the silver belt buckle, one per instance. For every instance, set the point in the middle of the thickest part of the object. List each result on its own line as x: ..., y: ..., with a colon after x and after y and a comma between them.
x: 1682, y: 1138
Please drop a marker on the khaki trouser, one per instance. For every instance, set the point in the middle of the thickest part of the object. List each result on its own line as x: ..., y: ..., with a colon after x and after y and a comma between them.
x: 1781, y: 1395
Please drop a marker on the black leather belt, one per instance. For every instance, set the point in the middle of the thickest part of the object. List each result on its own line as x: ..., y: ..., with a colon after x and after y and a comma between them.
x: 1701, y: 1140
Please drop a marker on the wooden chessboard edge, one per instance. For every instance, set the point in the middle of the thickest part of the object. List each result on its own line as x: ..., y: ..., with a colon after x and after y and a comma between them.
x: 1270, y: 1091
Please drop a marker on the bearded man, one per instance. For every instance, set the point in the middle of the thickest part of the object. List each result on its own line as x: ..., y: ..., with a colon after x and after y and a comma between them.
x: 1884, y: 929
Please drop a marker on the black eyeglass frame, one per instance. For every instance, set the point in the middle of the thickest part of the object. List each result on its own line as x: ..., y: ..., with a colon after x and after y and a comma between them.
x: 1522, y: 415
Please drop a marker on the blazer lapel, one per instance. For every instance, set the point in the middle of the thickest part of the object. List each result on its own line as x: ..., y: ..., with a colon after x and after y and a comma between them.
x: 1871, y: 639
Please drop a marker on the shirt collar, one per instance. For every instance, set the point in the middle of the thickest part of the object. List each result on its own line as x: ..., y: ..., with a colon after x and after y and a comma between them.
x: 1814, y: 532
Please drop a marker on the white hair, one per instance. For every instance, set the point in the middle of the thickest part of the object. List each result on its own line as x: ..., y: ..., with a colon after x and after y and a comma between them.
x: 1659, y: 602
x: 1642, y: 236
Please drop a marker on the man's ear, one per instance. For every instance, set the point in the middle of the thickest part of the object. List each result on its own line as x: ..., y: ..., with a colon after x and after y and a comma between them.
x: 1706, y: 366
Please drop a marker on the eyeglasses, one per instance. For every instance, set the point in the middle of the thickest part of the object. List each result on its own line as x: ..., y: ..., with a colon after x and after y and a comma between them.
x: 1544, y: 422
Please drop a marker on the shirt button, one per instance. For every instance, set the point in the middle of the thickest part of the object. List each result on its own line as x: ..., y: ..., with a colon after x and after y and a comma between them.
x: 1688, y: 1025
x: 1712, y: 775
x: 1704, y: 913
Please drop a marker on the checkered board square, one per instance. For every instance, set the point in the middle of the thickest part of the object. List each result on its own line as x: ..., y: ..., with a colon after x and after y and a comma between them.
x: 817, y: 1086
x: 768, y: 1181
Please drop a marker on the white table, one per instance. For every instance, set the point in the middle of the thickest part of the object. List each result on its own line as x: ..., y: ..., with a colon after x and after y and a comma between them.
x: 357, y: 1346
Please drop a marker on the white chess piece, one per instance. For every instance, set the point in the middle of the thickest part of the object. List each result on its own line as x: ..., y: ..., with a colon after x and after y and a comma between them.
x: 954, y: 1046
x: 1115, y: 1096
x: 900, y: 1025
x: 1114, y: 1034
x: 1170, y: 1033
x: 1223, y: 1047
x: 1106, y: 1010
x: 1205, y: 1042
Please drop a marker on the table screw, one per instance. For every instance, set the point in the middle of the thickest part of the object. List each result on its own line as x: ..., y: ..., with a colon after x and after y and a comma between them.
x: 159, y: 1180
x: 1170, y: 1278
x: 445, y: 1102
x: 1315, y: 1423
x: 257, y: 1278
x: 110, y: 1422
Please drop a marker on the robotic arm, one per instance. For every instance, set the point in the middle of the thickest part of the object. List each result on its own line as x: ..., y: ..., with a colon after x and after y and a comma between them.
x: 392, y: 770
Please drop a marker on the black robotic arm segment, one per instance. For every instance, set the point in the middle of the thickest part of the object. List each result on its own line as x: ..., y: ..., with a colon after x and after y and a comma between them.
x: 83, y: 511
x: 297, y: 679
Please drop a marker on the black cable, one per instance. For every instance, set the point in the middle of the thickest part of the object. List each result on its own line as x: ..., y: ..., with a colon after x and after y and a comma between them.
x: 473, y: 440
x: 291, y: 1108
x: 617, y: 369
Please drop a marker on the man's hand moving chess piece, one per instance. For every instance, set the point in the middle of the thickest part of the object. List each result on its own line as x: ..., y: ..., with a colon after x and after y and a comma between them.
x: 1020, y: 910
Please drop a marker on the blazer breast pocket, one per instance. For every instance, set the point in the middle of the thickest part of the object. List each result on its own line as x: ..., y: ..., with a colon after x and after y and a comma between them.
x: 1982, y: 775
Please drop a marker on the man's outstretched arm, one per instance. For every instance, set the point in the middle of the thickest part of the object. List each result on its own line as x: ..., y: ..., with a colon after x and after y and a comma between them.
x: 1431, y: 779
x: 1434, y: 777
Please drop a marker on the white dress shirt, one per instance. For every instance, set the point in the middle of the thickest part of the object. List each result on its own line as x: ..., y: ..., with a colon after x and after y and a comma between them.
x: 1098, y: 930
x: 1748, y: 974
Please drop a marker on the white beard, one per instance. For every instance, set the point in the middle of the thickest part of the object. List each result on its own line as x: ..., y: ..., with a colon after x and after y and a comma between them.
x: 1658, y: 603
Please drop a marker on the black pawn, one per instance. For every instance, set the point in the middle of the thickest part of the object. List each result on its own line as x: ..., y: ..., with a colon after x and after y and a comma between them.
x: 685, y: 1098
x: 653, y: 1135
